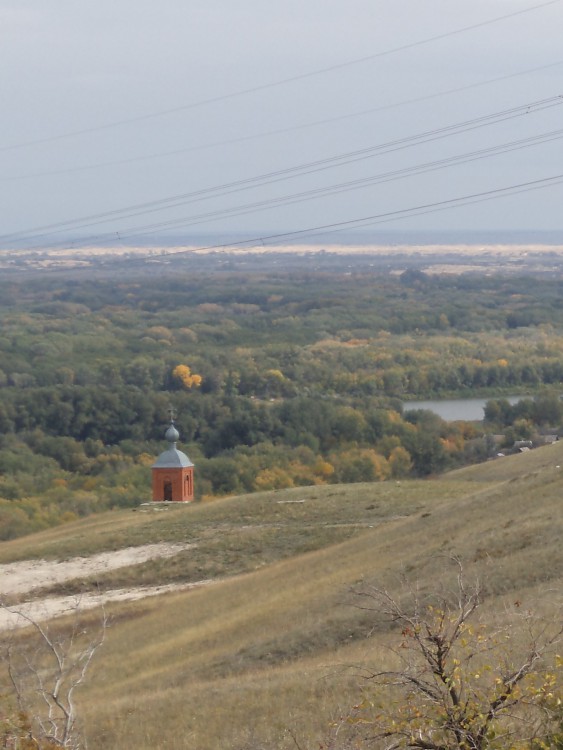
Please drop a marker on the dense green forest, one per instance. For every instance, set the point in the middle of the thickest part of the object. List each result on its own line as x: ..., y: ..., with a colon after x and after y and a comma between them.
x: 278, y: 378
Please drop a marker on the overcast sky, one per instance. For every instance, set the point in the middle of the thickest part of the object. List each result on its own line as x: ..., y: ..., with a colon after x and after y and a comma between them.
x: 110, y: 104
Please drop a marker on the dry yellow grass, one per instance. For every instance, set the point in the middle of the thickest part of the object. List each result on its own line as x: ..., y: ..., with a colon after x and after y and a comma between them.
x: 244, y: 663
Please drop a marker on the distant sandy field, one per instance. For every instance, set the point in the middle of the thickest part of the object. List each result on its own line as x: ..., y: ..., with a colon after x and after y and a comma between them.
x: 426, y: 250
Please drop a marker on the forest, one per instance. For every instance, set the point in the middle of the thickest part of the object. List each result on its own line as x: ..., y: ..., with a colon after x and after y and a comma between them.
x: 279, y: 377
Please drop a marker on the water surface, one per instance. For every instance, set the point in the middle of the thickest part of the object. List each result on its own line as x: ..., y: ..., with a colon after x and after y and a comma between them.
x: 469, y: 409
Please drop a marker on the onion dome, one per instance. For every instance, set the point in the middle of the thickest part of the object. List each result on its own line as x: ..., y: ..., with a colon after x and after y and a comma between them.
x: 172, y: 458
x: 172, y: 434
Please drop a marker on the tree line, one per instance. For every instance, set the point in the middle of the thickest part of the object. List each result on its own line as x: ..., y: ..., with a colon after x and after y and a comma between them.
x: 278, y: 379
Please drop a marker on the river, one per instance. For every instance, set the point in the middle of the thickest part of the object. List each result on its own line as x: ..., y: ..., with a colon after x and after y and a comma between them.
x: 469, y: 409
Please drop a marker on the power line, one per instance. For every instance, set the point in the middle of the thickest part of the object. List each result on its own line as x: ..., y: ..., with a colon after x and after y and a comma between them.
x: 277, y: 131
x: 303, y: 196
x: 281, y: 82
x: 419, y: 210
x: 290, y: 172
x: 342, y: 187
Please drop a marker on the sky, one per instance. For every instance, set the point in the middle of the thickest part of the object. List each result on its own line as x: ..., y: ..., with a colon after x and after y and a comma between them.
x: 130, y: 121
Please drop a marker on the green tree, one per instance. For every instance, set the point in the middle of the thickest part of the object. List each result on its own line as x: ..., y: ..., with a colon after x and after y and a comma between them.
x: 426, y: 451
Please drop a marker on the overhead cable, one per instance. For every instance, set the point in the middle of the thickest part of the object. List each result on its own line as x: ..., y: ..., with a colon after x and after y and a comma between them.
x: 281, y: 82
x: 288, y: 172
x: 270, y: 133
x: 315, y: 193
x: 418, y: 210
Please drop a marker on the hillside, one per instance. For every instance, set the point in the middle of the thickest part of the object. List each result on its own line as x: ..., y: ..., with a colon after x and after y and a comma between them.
x: 259, y: 656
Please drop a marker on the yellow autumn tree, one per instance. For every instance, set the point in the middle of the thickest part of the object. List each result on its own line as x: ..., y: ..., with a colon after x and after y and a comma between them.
x: 400, y: 462
x: 186, y: 377
x: 273, y: 479
x: 323, y: 470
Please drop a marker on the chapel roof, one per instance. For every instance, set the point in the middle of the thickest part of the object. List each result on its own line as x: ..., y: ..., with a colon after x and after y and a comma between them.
x: 172, y: 458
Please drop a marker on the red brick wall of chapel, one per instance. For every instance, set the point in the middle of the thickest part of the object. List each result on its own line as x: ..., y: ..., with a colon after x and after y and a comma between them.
x: 180, y: 484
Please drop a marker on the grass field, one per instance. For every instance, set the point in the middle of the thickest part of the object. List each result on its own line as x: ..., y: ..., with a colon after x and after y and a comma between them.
x: 262, y: 658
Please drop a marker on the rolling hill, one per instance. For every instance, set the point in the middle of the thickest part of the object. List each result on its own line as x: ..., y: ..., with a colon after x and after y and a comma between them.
x: 268, y: 653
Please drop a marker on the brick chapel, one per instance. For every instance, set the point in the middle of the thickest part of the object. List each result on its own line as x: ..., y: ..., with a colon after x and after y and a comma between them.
x: 173, y: 472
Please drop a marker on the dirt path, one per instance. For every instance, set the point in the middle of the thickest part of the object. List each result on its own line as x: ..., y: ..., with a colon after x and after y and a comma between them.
x: 25, y: 577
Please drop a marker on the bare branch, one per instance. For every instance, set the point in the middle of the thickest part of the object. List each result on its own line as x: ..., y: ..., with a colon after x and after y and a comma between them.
x: 457, y: 682
x: 49, y: 675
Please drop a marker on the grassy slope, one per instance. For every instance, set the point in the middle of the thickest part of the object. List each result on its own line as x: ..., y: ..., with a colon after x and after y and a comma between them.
x: 234, y: 665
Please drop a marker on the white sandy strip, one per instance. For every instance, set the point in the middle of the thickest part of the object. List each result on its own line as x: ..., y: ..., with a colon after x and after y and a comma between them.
x: 19, y: 615
x: 23, y: 577
x: 26, y: 576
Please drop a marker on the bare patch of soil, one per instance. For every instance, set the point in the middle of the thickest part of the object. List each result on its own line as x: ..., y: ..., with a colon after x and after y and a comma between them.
x: 22, y: 578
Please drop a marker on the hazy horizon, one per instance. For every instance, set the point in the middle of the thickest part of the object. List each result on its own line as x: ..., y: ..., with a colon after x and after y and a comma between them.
x: 359, y: 238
